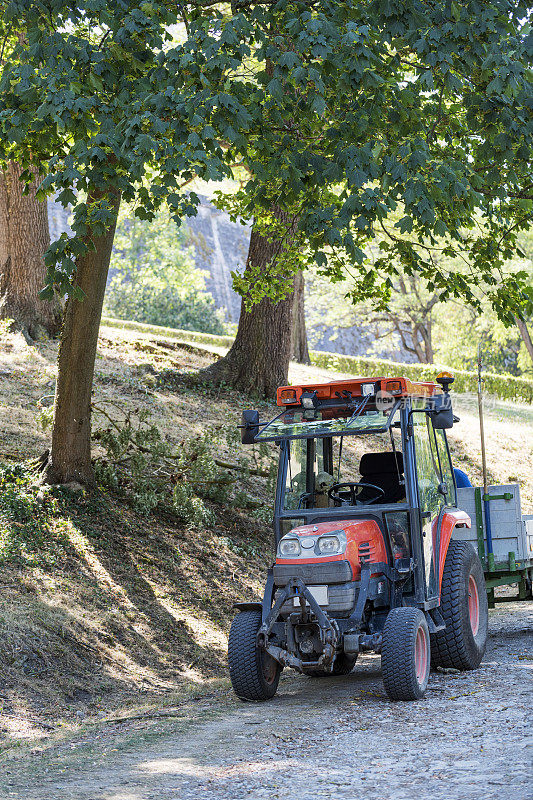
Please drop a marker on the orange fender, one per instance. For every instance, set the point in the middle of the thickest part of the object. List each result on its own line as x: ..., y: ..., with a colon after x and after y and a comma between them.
x: 450, y: 520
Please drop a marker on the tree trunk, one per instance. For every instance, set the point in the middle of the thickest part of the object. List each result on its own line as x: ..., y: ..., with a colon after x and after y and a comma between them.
x: 423, y: 333
x: 24, y: 237
x: 70, y: 457
x: 525, y: 334
x: 299, y: 349
x: 258, y: 361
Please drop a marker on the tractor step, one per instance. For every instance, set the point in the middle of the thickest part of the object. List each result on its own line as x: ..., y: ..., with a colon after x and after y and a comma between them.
x: 435, y: 621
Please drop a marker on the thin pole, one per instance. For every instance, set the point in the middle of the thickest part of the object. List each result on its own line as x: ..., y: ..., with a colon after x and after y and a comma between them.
x: 486, y: 501
x: 481, y: 427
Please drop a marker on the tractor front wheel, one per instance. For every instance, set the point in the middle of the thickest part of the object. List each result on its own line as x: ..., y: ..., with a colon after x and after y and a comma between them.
x: 254, y: 674
x: 464, y: 606
x: 405, y: 654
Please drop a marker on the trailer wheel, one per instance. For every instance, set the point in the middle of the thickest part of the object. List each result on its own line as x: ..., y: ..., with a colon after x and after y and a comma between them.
x: 254, y: 674
x: 464, y: 606
x: 343, y: 665
x: 405, y: 654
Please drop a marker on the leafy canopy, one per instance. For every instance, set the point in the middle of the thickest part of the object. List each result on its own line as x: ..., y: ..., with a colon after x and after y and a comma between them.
x: 422, y: 136
x: 349, y: 114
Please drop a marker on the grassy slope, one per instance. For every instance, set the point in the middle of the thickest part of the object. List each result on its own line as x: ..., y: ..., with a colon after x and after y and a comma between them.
x: 101, y: 608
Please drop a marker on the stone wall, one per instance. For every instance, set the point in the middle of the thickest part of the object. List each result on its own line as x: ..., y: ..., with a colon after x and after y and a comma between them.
x: 221, y: 247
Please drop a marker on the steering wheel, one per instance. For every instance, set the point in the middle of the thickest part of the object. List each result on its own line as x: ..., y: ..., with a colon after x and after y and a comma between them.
x: 353, y: 487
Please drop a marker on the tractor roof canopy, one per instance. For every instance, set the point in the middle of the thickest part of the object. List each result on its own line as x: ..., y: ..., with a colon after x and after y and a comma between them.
x: 352, y: 406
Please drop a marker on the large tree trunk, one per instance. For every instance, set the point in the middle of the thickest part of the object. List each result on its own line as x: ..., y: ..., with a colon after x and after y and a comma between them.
x: 525, y: 334
x: 70, y: 457
x: 258, y: 361
x: 24, y: 237
x: 299, y: 349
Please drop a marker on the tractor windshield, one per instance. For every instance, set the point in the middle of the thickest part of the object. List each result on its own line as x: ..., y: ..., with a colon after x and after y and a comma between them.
x: 330, y: 472
x: 305, y: 424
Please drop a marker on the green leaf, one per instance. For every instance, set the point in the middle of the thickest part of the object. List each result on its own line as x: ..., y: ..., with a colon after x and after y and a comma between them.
x: 319, y: 105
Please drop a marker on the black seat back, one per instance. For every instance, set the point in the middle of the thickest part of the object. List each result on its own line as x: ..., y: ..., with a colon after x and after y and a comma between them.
x: 383, y: 470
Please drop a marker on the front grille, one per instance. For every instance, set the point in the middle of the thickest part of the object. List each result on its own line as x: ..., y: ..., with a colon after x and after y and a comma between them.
x: 365, y: 551
x: 341, y: 600
x: 328, y: 573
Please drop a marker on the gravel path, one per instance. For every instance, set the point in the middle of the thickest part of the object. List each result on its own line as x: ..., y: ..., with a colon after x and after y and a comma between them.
x: 328, y: 739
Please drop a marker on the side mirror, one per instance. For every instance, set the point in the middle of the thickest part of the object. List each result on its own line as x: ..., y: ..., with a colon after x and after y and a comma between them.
x: 250, y: 426
x: 443, y: 488
x: 441, y: 412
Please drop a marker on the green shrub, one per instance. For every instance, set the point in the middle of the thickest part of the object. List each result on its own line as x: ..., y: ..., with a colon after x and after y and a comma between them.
x: 506, y: 387
x: 195, y: 337
x: 189, y: 509
x: 28, y: 533
x: 153, y: 277
x: 151, y: 473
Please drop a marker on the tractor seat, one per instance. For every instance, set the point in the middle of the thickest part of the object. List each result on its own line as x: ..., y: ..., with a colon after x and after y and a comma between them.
x: 383, y: 470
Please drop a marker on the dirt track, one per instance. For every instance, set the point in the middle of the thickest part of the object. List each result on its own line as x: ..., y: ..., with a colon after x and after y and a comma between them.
x: 318, y: 740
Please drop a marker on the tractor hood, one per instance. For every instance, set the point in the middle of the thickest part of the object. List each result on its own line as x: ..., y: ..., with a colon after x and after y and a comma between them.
x: 343, y: 540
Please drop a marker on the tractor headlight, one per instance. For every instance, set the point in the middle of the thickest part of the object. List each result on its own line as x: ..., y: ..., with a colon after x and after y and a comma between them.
x: 289, y: 547
x: 329, y: 545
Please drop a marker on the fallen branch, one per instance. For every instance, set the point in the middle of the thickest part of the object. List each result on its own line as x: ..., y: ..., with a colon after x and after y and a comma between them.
x: 263, y: 473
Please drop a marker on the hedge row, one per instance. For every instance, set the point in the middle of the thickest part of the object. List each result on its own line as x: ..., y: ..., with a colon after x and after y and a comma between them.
x: 506, y: 387
x: 174, y: 333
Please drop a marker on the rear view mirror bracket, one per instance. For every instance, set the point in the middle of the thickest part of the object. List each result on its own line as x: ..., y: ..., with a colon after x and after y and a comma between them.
x: 440, y: 411
x: 249, y: 426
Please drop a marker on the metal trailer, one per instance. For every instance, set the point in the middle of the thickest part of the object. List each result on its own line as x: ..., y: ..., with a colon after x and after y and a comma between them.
x: 505, y: 544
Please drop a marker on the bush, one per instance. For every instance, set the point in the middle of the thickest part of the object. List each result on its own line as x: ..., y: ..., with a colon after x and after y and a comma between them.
x: 153, y: 277
x: 29, y: 534
x: 506, y: 387
x: 152, y: 474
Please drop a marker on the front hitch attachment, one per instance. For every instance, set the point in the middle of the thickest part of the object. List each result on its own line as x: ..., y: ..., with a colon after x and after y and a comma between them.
x: 329, y: 635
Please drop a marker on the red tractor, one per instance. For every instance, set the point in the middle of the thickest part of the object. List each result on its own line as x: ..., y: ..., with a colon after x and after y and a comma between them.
x: 366, y: 559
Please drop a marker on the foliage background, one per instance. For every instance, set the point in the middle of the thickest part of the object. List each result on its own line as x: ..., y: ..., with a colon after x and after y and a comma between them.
x: 153, y: 277
x: 458, y: 329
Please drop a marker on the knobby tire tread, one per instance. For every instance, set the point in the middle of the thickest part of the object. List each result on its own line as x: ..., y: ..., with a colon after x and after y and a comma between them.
x: 397, y: 662
x: 243, y: 659
x: 449, y: 648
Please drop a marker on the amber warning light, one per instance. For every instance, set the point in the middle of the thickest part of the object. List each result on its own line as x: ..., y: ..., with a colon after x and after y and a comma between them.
x: 445, y: 379
x: 287, y: 396
x: 394, y: 387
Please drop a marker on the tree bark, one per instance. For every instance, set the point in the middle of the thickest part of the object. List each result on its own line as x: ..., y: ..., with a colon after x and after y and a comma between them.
x: 70, y: 456
x: 24, y: 237
x: 525, y: 334
x: 299, y: 348
x: 258, y: 361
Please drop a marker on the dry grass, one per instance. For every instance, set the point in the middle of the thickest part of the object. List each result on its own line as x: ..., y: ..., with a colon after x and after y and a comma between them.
x: 119, y: 610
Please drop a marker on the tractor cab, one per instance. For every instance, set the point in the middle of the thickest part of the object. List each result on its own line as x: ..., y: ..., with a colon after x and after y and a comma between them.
x: 364, y: 450
x: 364, y: 512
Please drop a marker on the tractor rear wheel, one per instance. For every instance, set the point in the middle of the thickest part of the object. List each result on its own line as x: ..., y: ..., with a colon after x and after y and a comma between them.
x: 254, y: 674
x: 464, y: 606
x: 405, y: 654
x: 342, y: 665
